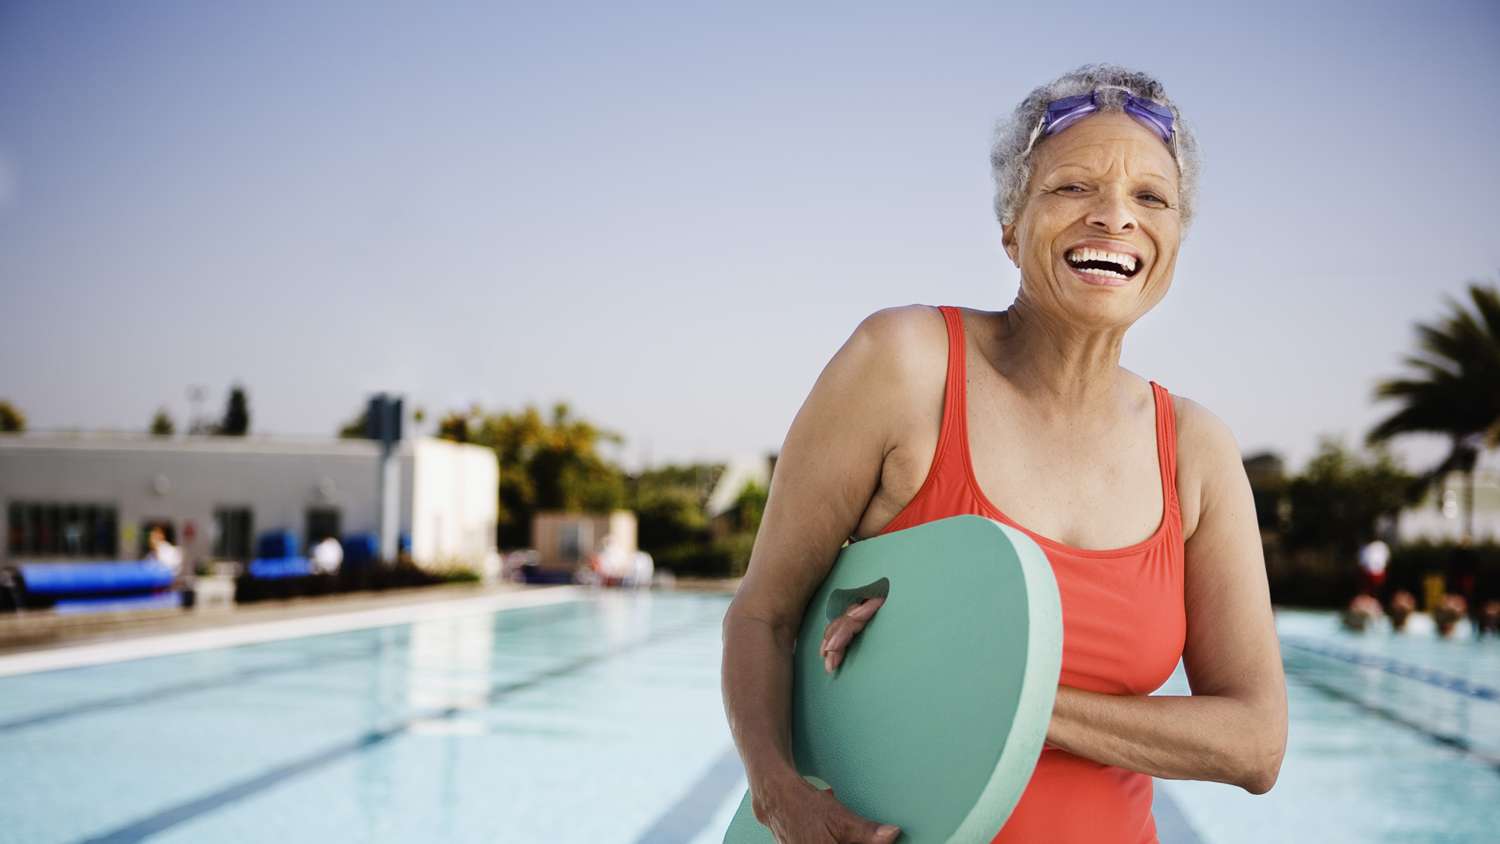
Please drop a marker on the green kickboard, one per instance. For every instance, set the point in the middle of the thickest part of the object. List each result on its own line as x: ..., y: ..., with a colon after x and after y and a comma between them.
x: 936, y: 717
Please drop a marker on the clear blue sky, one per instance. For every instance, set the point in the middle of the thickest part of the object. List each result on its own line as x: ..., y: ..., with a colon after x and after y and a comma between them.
x: 671, y: 215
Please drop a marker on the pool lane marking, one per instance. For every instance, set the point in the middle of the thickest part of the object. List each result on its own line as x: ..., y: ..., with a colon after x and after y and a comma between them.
x: 1452, y: 742
x: 695, y: 809
x: 219, y: 681
x: 171, y: 816
x: 167, y: 644
x: 1431, y: 677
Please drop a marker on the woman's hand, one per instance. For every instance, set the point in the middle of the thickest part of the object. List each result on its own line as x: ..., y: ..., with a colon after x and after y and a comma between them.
x: 842, y: 630
x: 802, y: 813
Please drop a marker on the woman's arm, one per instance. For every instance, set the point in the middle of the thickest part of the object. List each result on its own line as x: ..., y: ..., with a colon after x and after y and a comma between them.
x: 1232, y: 729
x: 826, y: 473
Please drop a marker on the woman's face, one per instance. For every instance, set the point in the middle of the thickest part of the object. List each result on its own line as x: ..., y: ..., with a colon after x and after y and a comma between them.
x: 1105, y: 183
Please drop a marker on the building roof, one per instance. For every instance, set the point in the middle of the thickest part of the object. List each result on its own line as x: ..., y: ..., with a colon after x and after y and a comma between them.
x: 192, y: 444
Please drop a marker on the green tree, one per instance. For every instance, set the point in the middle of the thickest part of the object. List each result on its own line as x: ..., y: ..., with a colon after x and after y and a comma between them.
x: 354, y: 429
x: 1338, y: 497
x: 11, y: 417
x: 236, y: 414
x: 545, y: 463
x: 669, y: 517
x: 458, y: 426
x: 1454, y: 389
x: 162, y: 424
x: 748, y: 508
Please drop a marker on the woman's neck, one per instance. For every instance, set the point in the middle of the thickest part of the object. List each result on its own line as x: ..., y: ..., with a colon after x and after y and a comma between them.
x: 1059, y: 366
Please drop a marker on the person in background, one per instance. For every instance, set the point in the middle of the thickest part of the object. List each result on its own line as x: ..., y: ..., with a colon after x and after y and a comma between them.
x: 163, y: 551
x: 1372, y: 561
x: 1463, y: 572
x: 1449, y: 613
x: 327, y: 555
x: 1363, y: 612
x: 1489, y: 618
x: 1403, y: 604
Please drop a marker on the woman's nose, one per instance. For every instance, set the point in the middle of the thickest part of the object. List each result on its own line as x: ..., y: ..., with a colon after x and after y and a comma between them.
x: 1112, y: 213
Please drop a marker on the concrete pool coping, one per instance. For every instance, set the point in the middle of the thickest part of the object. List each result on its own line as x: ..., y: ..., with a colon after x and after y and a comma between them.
x: 30, y: 632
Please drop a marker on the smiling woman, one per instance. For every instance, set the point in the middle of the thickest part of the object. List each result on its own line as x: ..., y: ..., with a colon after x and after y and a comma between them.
x: 1138, y: 497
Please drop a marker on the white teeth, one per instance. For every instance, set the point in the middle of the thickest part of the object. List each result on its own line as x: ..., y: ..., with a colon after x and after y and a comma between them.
x: 1088, y: 254
x: 1104, y: 273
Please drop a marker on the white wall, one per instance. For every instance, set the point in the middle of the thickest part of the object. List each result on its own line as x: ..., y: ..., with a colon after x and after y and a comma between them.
x: 183, y: 480
x: 454, y: 503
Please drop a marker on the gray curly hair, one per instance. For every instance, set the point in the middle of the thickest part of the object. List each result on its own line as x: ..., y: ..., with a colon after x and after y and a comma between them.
x: 1011, y: 164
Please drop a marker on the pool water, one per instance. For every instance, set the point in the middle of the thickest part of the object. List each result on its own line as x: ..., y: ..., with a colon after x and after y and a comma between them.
x: 598, y: 719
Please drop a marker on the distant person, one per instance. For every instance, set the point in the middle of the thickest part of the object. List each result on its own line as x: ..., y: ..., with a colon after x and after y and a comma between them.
x: 1372, y: 561
x: 1362, y: 612
x: 327, y: 555
x: 162, y: 551
x: 1447, y: 614
x: 613, y: 562
x: 1403, y: 604
x: 1489, y: 618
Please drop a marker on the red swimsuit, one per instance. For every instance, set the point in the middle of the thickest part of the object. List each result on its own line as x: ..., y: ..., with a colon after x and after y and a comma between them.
x: 1123, y: 624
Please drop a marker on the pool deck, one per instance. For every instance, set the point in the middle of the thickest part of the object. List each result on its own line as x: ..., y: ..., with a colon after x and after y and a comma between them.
x: 28, y: 632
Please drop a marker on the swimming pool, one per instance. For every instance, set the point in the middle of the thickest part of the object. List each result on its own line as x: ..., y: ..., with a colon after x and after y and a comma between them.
x: 596, y: 717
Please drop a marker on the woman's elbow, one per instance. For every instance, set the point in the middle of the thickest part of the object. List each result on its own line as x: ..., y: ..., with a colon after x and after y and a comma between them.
x: 1264, y: 763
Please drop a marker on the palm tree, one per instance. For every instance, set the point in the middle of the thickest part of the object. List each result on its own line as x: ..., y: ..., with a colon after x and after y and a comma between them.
x: 1455, y: 390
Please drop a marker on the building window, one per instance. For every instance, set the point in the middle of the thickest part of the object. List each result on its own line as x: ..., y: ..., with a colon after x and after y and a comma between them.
x: 234, y: 533
x: 48, y: 529
x: 322, y: 522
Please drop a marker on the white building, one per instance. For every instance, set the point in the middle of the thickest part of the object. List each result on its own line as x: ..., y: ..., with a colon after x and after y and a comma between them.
x: 95, y: 496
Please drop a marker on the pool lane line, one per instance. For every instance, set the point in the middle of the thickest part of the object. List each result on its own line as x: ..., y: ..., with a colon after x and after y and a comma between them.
x: 695, y: 809
x: 1452, y: 742
x: 167, y: 644
x: 172, y: 816
x: 1431, y: 677
x: 205, y: 684
x: 161, y: 693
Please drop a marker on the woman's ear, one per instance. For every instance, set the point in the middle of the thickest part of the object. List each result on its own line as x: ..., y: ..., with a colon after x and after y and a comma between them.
x: 1008, y: 240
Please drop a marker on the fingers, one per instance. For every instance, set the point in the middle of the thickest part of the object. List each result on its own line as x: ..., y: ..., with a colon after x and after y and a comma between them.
x: 849, y: 828
x: 842, y: 630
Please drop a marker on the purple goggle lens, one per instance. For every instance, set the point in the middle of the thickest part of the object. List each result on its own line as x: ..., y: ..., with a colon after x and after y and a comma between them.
x: 1065, y: 112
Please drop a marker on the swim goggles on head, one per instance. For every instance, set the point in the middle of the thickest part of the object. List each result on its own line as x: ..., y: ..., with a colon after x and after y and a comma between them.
x: 1065, y: 112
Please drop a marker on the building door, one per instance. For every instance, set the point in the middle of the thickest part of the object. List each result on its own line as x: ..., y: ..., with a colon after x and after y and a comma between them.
x: 234, y: 533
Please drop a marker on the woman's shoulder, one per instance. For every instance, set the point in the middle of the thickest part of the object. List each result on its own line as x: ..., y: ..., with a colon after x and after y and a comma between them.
x: 903, y: 340
x: 1208, y: 456
x: 901, y: 327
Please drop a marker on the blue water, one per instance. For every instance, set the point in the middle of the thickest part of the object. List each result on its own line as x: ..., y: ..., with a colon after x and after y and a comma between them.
x: 600, y: 720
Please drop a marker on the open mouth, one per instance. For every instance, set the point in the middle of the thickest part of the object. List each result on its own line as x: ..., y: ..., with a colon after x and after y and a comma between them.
x: 1104, y: 264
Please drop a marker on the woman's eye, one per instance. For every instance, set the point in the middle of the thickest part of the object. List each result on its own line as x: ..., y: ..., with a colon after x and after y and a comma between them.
x: 1151, y: 197
x: 1070, y: 188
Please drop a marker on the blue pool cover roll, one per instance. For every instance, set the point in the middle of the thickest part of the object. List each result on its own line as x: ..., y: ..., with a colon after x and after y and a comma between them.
x: 153, y: 601
x: 94, y: 578
x: 361, y: 548
x: 280, y: 568
x: 276, y: 544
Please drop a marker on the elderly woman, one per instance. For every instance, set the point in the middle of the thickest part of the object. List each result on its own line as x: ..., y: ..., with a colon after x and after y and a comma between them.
x: 1138, y: 497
